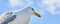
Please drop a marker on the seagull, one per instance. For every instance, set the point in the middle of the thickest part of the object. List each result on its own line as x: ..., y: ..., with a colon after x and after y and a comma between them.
x: 21, y: 16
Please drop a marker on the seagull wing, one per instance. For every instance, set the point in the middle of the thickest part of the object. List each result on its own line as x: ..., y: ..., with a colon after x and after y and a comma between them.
x: 9, y: 19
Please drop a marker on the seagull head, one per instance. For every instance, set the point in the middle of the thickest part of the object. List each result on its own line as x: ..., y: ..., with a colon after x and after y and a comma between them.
x: 33, y: 12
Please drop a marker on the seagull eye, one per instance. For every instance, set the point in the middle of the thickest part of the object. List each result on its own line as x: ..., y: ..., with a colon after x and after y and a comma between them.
x: 32, y: 9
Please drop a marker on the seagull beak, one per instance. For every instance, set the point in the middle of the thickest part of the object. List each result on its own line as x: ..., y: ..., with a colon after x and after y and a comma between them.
x: 36, y: 14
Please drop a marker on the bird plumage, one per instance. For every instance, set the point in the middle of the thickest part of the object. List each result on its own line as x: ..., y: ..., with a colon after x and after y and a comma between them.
x: 18, y: 17
x: 9, y: 19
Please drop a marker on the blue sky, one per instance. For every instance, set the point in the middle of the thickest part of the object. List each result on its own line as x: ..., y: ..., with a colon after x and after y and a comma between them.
x: 49, y: 9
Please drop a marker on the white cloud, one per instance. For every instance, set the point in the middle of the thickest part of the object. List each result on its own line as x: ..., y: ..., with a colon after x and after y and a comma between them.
x: 49, y: 2
x: 13, y: 2
x: 51, y: 7
x: 20, y: 3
